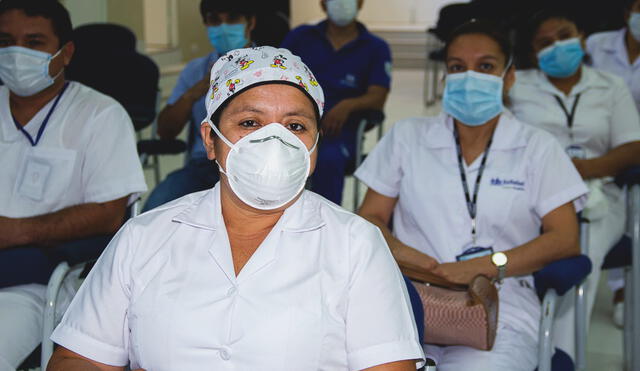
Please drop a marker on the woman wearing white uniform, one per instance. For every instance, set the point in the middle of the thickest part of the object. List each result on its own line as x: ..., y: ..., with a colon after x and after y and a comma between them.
x: 593, y: 115
x: 475, y: 176
x: 617, y: 52
x: 254, y: 274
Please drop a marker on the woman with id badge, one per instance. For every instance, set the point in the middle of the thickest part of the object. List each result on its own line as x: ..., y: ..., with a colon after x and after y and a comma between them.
x: 593, y: 115
x: 469, y: 192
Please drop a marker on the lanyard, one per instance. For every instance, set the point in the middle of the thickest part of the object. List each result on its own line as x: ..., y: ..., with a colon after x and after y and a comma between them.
x: 570, y: 115
x: 44, y: 123
x: 471, y: 203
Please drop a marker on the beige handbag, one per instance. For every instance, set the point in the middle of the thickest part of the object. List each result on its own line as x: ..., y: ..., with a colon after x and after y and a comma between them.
x: 457, y: 314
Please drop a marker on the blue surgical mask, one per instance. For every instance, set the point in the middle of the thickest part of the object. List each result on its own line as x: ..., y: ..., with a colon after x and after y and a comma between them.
x: 473, y: 98
x: 562, y: 59
x: 634, y: 26
x: 227, y: 37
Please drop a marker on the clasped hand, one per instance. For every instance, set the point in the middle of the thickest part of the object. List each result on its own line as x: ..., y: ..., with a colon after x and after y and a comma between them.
x: 411, y: 259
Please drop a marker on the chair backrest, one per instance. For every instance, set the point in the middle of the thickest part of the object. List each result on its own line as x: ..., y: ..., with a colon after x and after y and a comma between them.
x: 106, y: 60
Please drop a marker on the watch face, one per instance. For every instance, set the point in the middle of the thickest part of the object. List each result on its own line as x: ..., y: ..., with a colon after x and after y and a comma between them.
x: 499, y: 259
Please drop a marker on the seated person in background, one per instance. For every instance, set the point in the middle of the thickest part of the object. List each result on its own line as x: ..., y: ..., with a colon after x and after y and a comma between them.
x: 476, y: 178
x: 593, y: 115
x: 256, y: 273
x: 617, y: 52
x: 354, y: 68
x: 68, y: 167
x: 229, y: 25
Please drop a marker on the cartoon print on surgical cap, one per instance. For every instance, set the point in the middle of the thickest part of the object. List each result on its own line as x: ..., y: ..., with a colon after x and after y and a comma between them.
x: 231, y: 84
x: 244, y: 62
x: 278, y: 62
x: 301, y: 83
x: 214, y: 88
x: 312, y: 79
x: 243, y: 68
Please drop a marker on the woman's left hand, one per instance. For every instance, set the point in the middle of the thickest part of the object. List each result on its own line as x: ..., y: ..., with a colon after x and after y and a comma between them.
x: 459, y: 272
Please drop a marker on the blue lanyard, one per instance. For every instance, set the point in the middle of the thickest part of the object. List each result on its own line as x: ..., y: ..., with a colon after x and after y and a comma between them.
x: 44, y: 123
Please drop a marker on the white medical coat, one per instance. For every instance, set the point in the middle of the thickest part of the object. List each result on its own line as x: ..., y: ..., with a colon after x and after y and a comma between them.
x: 527, y: 175
x: 87, y: 153
x: 322, y: 292
x: 608, y: 52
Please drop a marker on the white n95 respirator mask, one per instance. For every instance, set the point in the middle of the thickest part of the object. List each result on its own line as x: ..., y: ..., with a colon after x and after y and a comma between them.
x: 26, y: 71
x: 267, y: 168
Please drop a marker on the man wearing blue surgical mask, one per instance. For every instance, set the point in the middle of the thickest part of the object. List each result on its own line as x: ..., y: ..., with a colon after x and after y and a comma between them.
x: 353, y: 66
x: 228, y: 26
x: 68, y: 167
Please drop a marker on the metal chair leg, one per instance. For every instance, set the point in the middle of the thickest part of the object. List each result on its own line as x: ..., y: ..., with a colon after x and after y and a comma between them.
x: 581, y: 323
x: 359, y: 144
x: 633, y: 208
x: 545, y: 345
x: 49, y: 317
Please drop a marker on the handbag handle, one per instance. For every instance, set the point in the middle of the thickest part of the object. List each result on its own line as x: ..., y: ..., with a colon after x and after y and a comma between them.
x: 418, y: 274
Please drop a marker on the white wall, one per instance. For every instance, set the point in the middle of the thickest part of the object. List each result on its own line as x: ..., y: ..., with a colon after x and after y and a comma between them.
x: 83, y: 11
x: 378, y: 13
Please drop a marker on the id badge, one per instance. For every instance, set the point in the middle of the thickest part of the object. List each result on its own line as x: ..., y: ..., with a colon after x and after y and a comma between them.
x: 474, y: 252
x: 575, y: 151
x: 34, y: 179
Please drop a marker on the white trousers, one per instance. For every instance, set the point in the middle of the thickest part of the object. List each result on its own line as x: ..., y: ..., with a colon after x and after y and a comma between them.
x: 21, y: 311
x: 603, y: 234
x: 513, y: 351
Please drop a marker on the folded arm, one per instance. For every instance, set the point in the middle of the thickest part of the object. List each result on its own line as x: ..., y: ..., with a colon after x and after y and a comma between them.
x: 71, y: 223
x: 612, y: 163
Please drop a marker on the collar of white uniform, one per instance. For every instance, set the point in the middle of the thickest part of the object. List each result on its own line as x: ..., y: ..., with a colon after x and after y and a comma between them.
x: 508, y: 133
x: 618, y: 43
x: 588, y: 80
x: 206, y: 213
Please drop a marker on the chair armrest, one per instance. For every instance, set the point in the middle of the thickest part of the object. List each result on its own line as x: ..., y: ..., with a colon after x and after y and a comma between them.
x: 620, y: 254
x: 629, y: 177
x: 161, y: 147
x: 562, y: 275
x: 372, y: 117
x: 416, y: 306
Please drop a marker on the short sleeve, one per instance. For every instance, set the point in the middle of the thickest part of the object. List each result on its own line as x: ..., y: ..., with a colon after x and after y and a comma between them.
x: 625, y: 123
x: 380, y: 326
x: 380, y: 73
x: 95, y: 324
x: 555, y: 179
x: 182, y: 85
x: 111, y: 168
x: 382, y: 171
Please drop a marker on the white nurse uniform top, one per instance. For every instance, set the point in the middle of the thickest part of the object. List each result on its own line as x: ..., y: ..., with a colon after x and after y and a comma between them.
x: 608, y: 52
x: 605, y: 117
x: 86, y: 154
x: 527, y: 175
x: 322, y: 292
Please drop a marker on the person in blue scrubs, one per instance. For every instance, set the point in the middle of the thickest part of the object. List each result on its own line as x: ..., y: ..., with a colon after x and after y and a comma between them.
x: 229, y: 27
x: 354, y: 69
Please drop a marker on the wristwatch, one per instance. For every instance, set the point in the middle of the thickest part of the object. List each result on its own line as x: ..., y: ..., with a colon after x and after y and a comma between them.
x: 499, y: 259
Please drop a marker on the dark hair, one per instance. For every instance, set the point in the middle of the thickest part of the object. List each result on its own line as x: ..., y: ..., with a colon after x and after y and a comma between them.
x: 627, y: 4
x: 527, y: 32
x: 246, y: 8
x: 49, y: 9
x: 486, y: 28
x: 215, y: 117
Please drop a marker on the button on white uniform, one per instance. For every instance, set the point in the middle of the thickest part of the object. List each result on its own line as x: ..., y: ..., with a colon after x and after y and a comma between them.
x: 232, y: 291
x: 225, y: 353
